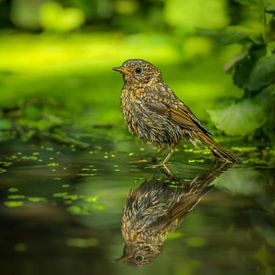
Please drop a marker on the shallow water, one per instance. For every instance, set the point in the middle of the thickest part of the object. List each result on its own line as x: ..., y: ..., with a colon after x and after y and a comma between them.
x: 61, y: 211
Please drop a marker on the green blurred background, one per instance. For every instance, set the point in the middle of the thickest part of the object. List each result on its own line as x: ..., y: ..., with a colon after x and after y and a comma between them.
x: 60, y: 206
x: 56, y: 59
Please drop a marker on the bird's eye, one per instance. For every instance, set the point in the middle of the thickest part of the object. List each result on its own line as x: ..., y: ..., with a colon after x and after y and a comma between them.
x: 139, y: 258
x: 138, y: 70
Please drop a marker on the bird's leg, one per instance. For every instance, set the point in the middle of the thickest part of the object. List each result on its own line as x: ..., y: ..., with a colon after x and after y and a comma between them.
x: 154, y: 157
x: 168, y: 156
x: 167, y: 171
x: 163, y: 163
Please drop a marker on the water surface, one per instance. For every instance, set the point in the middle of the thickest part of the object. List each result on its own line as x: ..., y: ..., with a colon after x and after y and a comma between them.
x: 61, y: 210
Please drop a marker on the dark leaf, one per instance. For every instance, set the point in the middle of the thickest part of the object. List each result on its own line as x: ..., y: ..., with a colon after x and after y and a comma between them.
x: 269, y: 127
x: 248, y: 2
x: 269, y: 6
x: 263, y: 73
x: 5, y: 125
x: 239, y: 35
x: 244, y: 67
x: 244, y: 117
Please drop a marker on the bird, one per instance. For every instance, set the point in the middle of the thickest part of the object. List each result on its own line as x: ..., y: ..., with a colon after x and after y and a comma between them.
x: 153, y: 112
x: 157, y: 207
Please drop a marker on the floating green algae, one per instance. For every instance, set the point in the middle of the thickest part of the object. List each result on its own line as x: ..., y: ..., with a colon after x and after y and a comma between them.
x: 13, y: 204
x: 82, y: 243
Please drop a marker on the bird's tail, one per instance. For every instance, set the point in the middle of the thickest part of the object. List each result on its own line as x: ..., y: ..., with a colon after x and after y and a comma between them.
x: 216, y: 149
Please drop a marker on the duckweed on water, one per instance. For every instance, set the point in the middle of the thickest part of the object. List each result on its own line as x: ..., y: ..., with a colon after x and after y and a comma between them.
x: 16, y: 197
x: 195, y: 160
x: 6, y: 163
x: 189, y: 150
x: 2, y: 170
x: 89, y: 198
x: 20, y: 247
x: 53, y: 164
x: 13, y: 204
x: 73, y: 197
x: 36, y: 199
x: 174, y: 235
x: 34, y: 158
x: 65, y: 185
x: 86, y: 174
x: 60, y: 194
x: 82, y: 243
x: 13, y: 189
x: 244, y: 149
x: 196, y: 242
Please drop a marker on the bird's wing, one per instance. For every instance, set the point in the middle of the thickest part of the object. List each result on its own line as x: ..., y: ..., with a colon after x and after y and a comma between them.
x: 187, y: 204
x: 167, y: 104
x: 166, y: 217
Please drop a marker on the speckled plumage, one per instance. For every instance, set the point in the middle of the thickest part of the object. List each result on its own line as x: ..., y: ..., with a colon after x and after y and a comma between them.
x: 154, y: 113
x: 156, y: 208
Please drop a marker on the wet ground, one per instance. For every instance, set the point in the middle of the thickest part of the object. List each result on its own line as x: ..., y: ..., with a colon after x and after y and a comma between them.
x: 61, y: 211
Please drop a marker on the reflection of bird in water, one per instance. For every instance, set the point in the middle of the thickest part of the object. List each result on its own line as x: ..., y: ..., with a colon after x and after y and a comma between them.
x: 157, y: 207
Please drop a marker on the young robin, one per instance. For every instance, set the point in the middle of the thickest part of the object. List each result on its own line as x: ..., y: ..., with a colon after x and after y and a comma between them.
x: 157, y: 207
x: 154, y: 113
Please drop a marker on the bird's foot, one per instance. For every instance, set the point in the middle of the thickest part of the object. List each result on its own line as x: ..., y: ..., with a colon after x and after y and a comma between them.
x: 162, y: 166
x: 158, y: 165
x: 139, y: 161
x: 154, y: 166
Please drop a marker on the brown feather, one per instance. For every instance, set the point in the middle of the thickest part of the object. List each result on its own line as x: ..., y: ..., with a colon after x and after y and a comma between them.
x: 154, y: 113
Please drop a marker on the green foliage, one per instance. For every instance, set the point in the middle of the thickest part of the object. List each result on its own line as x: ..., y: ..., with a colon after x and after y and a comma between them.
x: 53, y: 17
x: 239, y: 34
x: 262, y: 74
x: 242, y: 181
x: 243, y: 67
x: 254, y: 73
x: 248, y: 2
x: 48, y: 15
x: 192, y: 14
x: 240, y: 118
x: 5, y: 125
x: 24, y: 14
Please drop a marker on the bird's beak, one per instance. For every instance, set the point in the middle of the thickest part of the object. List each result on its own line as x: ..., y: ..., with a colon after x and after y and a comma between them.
x: 121, y: 70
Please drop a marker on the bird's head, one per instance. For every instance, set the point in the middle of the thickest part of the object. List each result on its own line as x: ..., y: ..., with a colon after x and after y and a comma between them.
x: 138, y: 71
x: 139, y: 254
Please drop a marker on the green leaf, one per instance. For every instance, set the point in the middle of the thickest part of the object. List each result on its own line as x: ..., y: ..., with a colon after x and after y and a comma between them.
x: 271, y: 47
x: 269, y: 127
x: 240, y: 181
x: 244, y: 117
x: 239, y: 35
x: 190, y: 15
x: 269, y: 6
x: 32, y: 112
x: 5, y: 125
x: 53, y: 17
x: 248, y: 2
x: 263, y: 74
x: 244, y: 66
